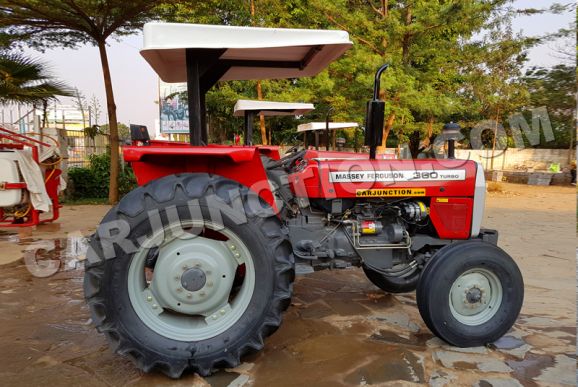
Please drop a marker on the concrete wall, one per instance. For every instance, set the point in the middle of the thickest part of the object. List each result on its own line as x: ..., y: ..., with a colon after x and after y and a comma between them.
x: 512, y: 159
x: 517, y: 159
x: 522, y: 177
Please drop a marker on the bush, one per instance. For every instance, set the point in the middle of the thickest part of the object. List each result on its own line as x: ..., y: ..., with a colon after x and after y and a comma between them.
x: 92, y: 181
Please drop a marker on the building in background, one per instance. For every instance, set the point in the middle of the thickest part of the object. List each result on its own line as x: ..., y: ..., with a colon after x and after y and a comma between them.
x: 67, y: 117
x: 27, y: 119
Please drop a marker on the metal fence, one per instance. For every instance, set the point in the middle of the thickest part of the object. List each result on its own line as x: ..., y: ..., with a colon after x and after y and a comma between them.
x: 79, y: 147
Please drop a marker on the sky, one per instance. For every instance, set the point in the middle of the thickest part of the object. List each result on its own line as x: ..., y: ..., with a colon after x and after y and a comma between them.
x: 136, y: 84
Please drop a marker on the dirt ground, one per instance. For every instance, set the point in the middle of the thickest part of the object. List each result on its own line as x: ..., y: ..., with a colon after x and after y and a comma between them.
x: 340, y: 329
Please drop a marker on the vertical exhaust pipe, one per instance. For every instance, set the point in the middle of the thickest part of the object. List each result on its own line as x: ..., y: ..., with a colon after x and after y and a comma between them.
x: 375, y: 116
x: 451, y: 132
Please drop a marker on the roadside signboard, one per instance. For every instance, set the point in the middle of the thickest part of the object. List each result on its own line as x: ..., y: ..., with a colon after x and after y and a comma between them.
x: 173, y: 108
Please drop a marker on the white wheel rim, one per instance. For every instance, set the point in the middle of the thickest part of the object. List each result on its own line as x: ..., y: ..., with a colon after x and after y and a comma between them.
x: 475, y: 297
x: 191, y: 320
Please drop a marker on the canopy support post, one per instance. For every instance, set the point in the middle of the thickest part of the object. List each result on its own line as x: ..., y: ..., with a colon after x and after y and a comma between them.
x: 194, y: 99
x: 203, y: 71
x: 249, y: 115
x: 327, y: 116
x: 204, y: 127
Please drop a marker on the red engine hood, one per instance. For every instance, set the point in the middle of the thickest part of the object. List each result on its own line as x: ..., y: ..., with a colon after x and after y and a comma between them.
x: 384, y: 178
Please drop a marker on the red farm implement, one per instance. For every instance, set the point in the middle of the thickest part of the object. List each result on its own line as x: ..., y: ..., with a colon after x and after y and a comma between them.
x: 29, y: 179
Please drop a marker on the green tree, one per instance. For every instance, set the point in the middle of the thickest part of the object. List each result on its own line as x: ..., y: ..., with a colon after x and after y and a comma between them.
x: 493, y: 84
x: 429, y: 46
x: 422, y: 42
x: 555, y: 89
x: 123, y: 131
x: 49, y: 23
x: 440, y: 70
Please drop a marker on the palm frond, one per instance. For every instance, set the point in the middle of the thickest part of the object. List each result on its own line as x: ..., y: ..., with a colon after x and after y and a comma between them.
x: 26, y: 80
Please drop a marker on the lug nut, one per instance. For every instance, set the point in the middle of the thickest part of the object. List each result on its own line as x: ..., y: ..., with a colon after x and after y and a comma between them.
x: 214, y: 317
x: 179, y: 290
x: 185, y: 267
x: 233, y: 247
x: 189, y: 295
x: 209, y: 284
x: 202, y: 294
x: 149, y: 298
x: 237, y: 255
x: 155, y: 306
x: 222, y: 311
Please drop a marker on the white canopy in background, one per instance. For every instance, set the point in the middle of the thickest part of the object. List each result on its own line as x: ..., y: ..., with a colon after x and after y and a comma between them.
x: 165, y: 44
x: 322, y: 126
x: 272, y: 108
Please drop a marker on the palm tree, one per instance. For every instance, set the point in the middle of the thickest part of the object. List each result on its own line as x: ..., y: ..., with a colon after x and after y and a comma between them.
x: 26, y: 80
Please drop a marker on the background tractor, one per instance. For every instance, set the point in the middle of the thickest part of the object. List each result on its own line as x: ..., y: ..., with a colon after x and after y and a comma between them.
x: 193, y: 269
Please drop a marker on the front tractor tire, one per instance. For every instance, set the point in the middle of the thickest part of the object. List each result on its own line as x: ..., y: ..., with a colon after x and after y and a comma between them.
x: 188, y: 273
x: 470, y: 293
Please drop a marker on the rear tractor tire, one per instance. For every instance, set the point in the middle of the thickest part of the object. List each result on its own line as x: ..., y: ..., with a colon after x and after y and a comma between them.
x: 188, y: 273
x: 470, y: 293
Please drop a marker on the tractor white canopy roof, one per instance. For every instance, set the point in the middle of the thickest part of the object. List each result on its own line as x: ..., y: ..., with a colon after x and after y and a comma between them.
x: 272, y: 108
x: 323, y: 126
x: 304, y: 52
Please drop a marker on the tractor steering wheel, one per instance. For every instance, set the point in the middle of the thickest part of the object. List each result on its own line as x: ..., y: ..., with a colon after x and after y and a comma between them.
x: 287, y: 161
x: 293, y: 149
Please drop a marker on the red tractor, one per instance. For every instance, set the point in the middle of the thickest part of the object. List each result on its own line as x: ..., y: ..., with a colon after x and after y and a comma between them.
x: 194, y: 268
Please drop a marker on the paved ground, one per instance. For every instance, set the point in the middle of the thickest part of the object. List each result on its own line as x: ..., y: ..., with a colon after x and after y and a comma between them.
x: 340, y: 329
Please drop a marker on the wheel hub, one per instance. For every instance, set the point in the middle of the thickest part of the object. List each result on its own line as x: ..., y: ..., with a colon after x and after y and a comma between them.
x: 194, y: 276
x: 193, y: 279
x: 475, y: 296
